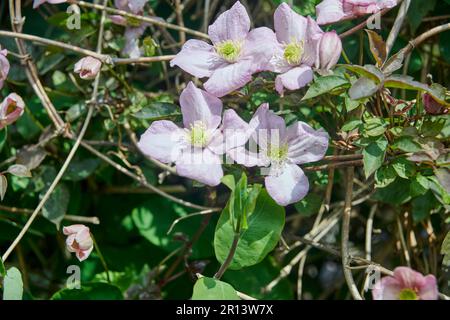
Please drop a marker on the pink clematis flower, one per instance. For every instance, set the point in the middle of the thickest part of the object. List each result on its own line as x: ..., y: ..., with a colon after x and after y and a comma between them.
x: 432, y: 106
x: 11, y: 109
x: 37, y: 3
x: 88, y: 68
x: 281, y: 150
x: 134, y: 28
x: 296, y: 49
x: 79, y: 240
x: 235, y: 55
x: 4, y: 66
x: 196, y: 149
x: 406, y: 284
x: 330, y: 11
x: 328, y: 52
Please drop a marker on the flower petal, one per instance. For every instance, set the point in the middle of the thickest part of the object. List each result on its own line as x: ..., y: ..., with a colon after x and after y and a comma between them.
x: 408, y: 278
x: 205, y: 62
x: 329, y: 11
x: 288, y: 24
x: 201, y: 165
x: 199, y: 105
x: 305, y: 143
x: 260, y: 46
x: 75, y: 228
x: 229, y: 78
x: 288, y: 187
x: 163, y: 140
x: 244, y: 157
x: 83, y: 254
x: 294, y: 79
x: 233, y: 24
x: 387, y: 288
x: 429, y: 290
x: 267, y: 127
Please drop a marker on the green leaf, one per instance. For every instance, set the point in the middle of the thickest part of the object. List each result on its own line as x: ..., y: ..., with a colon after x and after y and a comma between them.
x: 90, y: 291
x: 373, y: 156
x: 374, y: 127
x: 350, y: 104
x: 407, y: 144
x: 212, y: 289
x: 351, y: 125
x: 56, y: 206
x: 323, y: 85
x: 3, y: 136
x: 377, y: 47
x: 13, y: 285
x: 445, y: 250
x: 157, y: 111
x: 368, y: 71
x: 264, y: 230
x: 2, y: 268
x: 419, y: 185
x: 3, y: 186
x: 385, y: 176
x: 229, y: 181
x: 80, y: 169
x: 418, y: 10
x: 422, y: 206
x: 397, y: 192
x: 404, y: 168
x: 363, y: 88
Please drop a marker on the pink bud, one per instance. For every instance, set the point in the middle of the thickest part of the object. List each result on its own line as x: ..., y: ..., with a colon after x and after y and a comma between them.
x: 79, y: 240
x: 432, y: 106
x: 87, y: 67
x: 4, y: 66
x: 329, y: 51
x: 37, y: 3
x: 11, y: 109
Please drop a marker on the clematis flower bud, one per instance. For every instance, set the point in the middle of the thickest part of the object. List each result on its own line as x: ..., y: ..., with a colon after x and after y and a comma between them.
x: 4, y: 66
x: 87, y: 67
x: 79, y: 240
x: 37, y: 3
x: 432, y: 106
x: 406, y: 284
x: 328, y: 52
x: 11, y: 109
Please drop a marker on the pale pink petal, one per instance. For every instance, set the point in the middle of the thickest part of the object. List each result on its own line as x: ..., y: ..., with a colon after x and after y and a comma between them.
x: 329, y: 51
x: 314, y: 35
x: 387, y: 288
x: 163, y: 140
x: 4, y: 66
x: 305, y: 143
x: 233, y: 24
x: 259, y: 46
x: 37, y: 3
x: 197, y: 58
x: 294, y: 79
x: 229, y: 78
x: 75, y: 228
x: 289, y: 25
x: 429, y: 289
x: 136, y: 6
x: 11, y: 108
x: 329, y: 11
x: 131, y: 48
x: 201, y: 165
x: 119, y: 20
x: 69, y: 242
x: 235, y: 130
x: 199, y: 105
x: 288, y: 187
x: 84, y: 239
x: 83, y: 254
x: 268, y: 128
x: 242, y: 156
x: 407, y: 277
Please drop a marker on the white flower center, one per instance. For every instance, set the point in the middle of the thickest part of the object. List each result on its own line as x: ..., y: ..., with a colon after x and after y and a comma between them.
x: 293, y: 52
x: 229, y: 50
x: 198, y: 135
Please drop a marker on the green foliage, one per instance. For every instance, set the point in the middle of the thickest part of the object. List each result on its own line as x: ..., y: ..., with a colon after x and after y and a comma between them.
x: 212, y: 289
x: 265, y: 224
x: 90, y: 291
x: 12, y: 285
x: 373, y: 155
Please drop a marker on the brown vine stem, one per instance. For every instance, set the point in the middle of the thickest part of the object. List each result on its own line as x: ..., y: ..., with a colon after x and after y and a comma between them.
x: 69, y: 157
x: 401, y: 15
x: 143, y: 59
x: 430, y: 33
x: 153, y: 20
x: 67, y: 217
x: 345, y: 235
x: 30, y: 70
